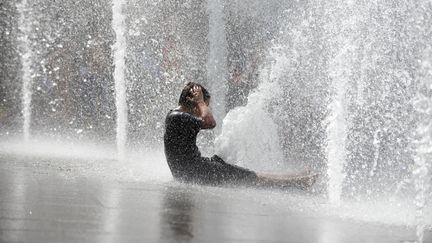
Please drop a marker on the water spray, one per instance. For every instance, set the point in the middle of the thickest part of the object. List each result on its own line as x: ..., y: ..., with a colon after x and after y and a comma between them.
x: 24, y: 25
x: 119, y: 51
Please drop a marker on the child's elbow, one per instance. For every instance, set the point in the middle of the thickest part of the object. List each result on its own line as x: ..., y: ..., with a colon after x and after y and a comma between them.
x: 212, y: 124
x: 209, y: 125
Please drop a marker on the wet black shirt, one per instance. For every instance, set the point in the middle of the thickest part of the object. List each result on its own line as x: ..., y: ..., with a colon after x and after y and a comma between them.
x: 181, y: 129
x: 185, y: 160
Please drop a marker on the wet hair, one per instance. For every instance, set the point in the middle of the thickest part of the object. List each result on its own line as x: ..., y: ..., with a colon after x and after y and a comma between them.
x: 186, y: 93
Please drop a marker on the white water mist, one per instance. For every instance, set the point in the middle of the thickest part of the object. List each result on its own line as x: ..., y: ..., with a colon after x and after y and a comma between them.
x: 24, y: 25
x: 249, y: 136
x: 119, y: 51
x: 217, y: 59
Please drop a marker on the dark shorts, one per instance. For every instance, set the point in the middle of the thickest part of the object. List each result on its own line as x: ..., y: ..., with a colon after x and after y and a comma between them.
x: 212, y: 171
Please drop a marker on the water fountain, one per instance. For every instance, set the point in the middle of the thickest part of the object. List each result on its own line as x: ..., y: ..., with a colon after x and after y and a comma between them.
x: 349, y: 61
x: 217, y: 64
x: 119, y: 50
x: 255, y: 145
x: 336, y: 152
x: 335, y: 95
x: 423, y: 145
x: 24, y: 24
x: 341, y: 75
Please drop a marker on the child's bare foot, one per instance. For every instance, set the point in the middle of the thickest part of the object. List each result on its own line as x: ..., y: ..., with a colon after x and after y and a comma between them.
x: 307, y: 181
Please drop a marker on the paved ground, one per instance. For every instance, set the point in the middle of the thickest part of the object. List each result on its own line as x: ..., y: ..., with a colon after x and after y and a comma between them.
x: 41, y: 201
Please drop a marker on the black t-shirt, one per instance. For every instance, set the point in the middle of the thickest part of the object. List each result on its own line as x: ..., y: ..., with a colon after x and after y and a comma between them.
x: 184, y: 157
x: 181, y: 129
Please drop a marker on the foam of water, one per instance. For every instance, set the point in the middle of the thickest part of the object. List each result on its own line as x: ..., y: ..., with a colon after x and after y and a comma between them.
x: 249, y: 136
x: 119, y: 50
x: 24, y: 25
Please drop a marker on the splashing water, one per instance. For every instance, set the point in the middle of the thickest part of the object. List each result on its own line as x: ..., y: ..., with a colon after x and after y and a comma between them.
x: 336, y: 153
x: 217, y: 59
x: 376, y: 144
x: 361, y: 57
x: 340, y: 72
x: 24, y: 25
x: 119, y: 50
x: 249, y: 135
x: 423, y: 148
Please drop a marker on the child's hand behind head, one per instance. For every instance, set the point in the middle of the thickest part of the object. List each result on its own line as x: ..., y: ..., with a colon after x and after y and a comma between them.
x: 196, y: 95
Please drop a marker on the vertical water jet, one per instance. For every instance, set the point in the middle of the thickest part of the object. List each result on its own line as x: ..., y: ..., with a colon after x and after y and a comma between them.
x: 336, y: 151
x: 119, y: 52
x: 343, y: 55
x: 376, y: 143
x: 24, y: 26
x: 217, y: 59
x: 423, y: 148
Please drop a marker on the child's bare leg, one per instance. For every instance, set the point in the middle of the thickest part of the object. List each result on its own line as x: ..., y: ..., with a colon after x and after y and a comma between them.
x: 269, y: 180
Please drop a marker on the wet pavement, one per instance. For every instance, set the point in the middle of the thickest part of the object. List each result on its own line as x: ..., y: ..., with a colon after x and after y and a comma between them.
x: 41, y: 201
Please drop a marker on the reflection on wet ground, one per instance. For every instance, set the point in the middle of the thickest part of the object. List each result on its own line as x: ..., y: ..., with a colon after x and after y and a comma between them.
x: 176, y: 219
x: 42, y: 202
